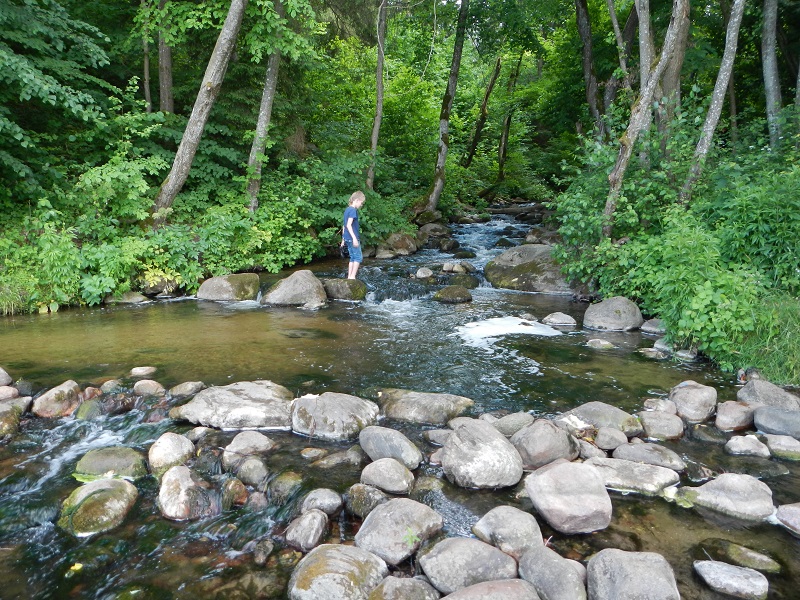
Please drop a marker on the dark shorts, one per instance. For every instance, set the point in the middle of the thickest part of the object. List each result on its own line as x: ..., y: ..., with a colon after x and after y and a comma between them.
x: 355, y: 253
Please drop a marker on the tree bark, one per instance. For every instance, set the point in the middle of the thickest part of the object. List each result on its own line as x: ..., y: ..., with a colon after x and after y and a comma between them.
x: 646, y: 53
x: 587, y: 61
x: 502, y: 150
x: 717, y: 100
x: 376, y: 123
x: 447, y: 107
x: 255, y: 161
x: 732, y: 109
x: 482, y: 116
x: 626, y: 40
x: 640, y: 116
x: 769, y: 61
x: 148, y: 98
x: 166, y: 102
x: 621, y: 51
x: 209, y: 90
x: 671, y: 81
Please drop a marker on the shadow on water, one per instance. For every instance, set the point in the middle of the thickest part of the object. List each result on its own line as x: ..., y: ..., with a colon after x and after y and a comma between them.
x: 400, y: 338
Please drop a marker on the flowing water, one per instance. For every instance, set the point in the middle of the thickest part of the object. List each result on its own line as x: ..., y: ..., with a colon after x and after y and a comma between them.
x: 486, y: 350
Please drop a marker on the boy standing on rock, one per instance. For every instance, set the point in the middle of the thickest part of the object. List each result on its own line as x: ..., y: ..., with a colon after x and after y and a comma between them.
x: 350, y: 233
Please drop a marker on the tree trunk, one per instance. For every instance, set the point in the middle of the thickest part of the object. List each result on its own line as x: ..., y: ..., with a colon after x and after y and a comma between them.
x: 671, y: 81
x: 209, y: 90
x: 255, y: 161
x: 640, y: 116
x: 587, y: 60
x: 482, y: 116
x: 732, y: 110
x: 166, y: 102
x: 797, y: 107
x: 148, y: 98
x: 447, y: 107
x: 717, y: 100
x: 646, y: 53
x: 769, y: 60
x: 502, y: 150
x: 376, y: 123
x: 625, y: 45
x: 621, y: 52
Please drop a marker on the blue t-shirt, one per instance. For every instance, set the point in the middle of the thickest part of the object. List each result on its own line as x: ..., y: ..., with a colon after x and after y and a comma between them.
x: 351, y: 212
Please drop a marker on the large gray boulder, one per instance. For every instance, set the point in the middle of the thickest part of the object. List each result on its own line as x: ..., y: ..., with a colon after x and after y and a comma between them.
x: 113, y: 462
x: 456, y: 563
x: 336, y: 571
x: 599, y: 414
x: 734, y: 416
x: 332, y: 416
x: 242, y: 405
x: 241, y: 286
x: 382, y: 442
x: 731, y: 580
x: 511, y: 424
x: 504, y: 589
x: 307, y: 530
x: 628, y: 476
x: 61, y: 401
x: 695, y: 402
x: 650, y: 454
x: 361, y: 499
x: 301, y: 288
x: 396, y: 529
x: 97, y: 506
x: 733, y: 494
x: 182, y: 496
x: 660, y: 425
x: 747, y: 445
x: 542, y: 442
x: 476, y: 455
x: 613, y: 314
x: 618, y: 575
x: 783, y: 446
x: 345, y: 289
x: 571, y: 497
x: 167, y: 451
x: 553, y: 576
x: 757, y: 392
x: 389, y: 475
x: 528, y: 268
x: 510, y: 529
x: 404, y: 588
x: 246, y: 443
x: 421, y: 407
x: 324, y: 499
x: 778, y: 421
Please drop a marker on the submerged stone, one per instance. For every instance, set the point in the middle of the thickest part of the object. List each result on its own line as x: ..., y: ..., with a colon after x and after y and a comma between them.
x: 112, y: 462
x: 731, y: 580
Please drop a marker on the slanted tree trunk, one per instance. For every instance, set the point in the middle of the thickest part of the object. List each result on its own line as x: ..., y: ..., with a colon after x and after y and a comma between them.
x: 447, y: 107
x: 166, y: 102
x: 587, y: 60
x: 255, y: 161
x: 624, y: 48
x: 482, y: 116
x: 646, y: 54
x: 502, y: 150
x: 769, y: 61
x: 717, y: 100
x: 209, y: 90
x: 148, y: 98
x: 640, y: 115
x: 732, y: 109
x: 376, y: 123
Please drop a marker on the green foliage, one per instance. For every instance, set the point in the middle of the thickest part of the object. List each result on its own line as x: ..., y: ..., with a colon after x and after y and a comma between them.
x: 772, y: 345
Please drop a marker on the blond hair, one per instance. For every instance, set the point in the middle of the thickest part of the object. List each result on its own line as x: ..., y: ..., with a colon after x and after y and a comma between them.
x: 355, y: 197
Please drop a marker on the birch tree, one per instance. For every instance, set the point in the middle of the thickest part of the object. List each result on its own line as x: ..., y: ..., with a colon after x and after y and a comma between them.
x: 769, y: 61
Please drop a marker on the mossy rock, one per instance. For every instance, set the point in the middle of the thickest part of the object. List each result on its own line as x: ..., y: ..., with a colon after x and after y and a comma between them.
x: 241, y: 286
x: 113, y: 462
x: 97, y: 506
x: 465, y: 280
x: 527, y: 268
x: 345, y: 289
x: 286, y: 485
x: 453, y: 294
x: 464, y: 254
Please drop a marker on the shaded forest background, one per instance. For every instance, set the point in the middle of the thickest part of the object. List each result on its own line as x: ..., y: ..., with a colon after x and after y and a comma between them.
x: 159, y: 142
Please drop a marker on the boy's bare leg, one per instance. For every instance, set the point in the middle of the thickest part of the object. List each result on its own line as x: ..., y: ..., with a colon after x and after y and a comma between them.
x: 352, y: 270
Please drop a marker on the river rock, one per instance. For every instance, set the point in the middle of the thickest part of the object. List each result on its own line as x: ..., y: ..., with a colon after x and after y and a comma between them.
x: 111, y: 386
x: 504, y: 589
x: 5, y: 378
x: 382, y: 442
x: 283, y: 488
x: 599, y: 414
x: 476, y: 455
x: 788, y: 515
x: 336, y: 571
x: 112, y: 462
x: 618, y: 575
x: 695, y: 402
x: 169, y: 450
x: 653, y: 326
x: 456, y: 563
x: 345, y: 289
x: 528, y: 268
x: 731, y: 580
x: 395, y: 529
x: 332, y: 416
x: 728, y: 552
x: 97, y: 506
x: 599, y: 344
x: 242, y: 405
x: 453, y: 294
x: 301, y: 288
x: 589, y: 450
x: 559, y: 319
x: 629, y: 476
x: 783, y: 446
x: 542, y: 442
x: 404, y: 588
x: 421, y: 407
x: 747, y: 445
x: 186, y: 389
x: 660, y: 425
x: 388, y: 475
x: 779, y: 421
x: 571, y: 497
x: 182, y: 496
x: 252, y: 471
x: 61, y: 401
x: 234, y: 493
x: 553, y: 576
x: 353, y: 456
x: 608, y: 438
x: 613, y: 314
x: 437, y: 437
x: 148, y: 387
x: 423, y: 273
x: 734, y: 416
x: 760, y: 392
x: 241, y: 286
x: 307, y: 530
x: 510, y: 529
x: 511, y: 424
x: 362, y: 499
x: 324, y: 499
x: 9, y: 417
x: 246, y: 443
x: 664, y: 405
x: 464, y: 280
x: 650, y: 454
x: 739, y: 496
x: 8, y: 393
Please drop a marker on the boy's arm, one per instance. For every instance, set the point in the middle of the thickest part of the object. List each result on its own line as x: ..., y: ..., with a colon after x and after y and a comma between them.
x: 352, y: 233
